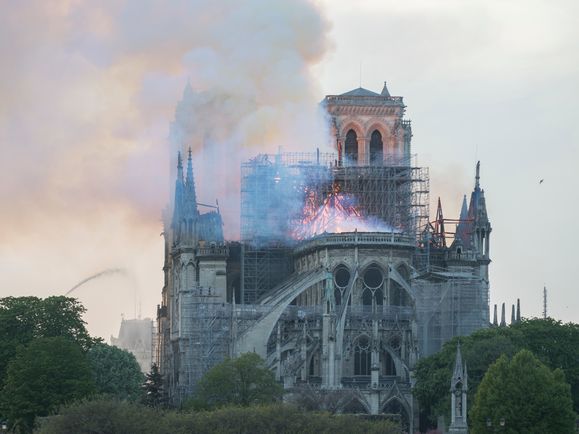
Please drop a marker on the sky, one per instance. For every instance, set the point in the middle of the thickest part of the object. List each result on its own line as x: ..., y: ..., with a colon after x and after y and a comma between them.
x: 88, y: 92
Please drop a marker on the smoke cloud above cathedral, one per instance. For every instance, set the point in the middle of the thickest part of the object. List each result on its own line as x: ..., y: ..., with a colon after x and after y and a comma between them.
x: 88, y: 94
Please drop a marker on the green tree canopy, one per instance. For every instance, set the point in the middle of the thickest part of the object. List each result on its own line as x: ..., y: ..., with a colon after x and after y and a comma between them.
x: 113, y: 416
x: 241, y: 381
x: 115, y: 371
x: 42, y: 376
x: 23, y: 319
x: 530, y: 398
x: 153, y: 392
x: 554, y: 343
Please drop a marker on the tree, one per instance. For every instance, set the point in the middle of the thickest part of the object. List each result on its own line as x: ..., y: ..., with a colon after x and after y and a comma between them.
x: 115, y: 371
x: 554, y: 343
x: 153, y: 393
x: 112, y: 416
x: 530, y: 398
x: 42, y: 376
x: 23, y: 319
x: 242, y: 381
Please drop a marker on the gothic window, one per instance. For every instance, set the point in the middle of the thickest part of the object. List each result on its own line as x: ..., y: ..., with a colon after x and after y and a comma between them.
x: 388, y: 366
x: 373, y: 280
x: 341, y: 277
x: 338, y: 296
x: 376, y: 148
x: 367, y: 297
x: 362, y: 356
x: 351, y: 150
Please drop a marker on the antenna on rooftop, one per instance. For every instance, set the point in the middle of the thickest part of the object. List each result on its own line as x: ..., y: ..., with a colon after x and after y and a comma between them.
x: 544, y: 302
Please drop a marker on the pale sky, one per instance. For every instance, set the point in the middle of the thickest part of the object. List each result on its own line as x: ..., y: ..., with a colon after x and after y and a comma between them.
x: 87, y: 93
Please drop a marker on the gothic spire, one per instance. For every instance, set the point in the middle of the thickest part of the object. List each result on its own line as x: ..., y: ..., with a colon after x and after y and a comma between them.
x: 179, y: 167
x: 190, y: 181
x: 178, y: 204
x: 477, y: 177
x: 503, y: 322
x: 385, y: 91
x: 458, y: 373
x: 464, y: 209
x: 189, y: 168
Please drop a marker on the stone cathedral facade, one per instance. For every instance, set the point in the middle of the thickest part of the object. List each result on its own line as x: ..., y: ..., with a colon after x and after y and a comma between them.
x: 341, y: 280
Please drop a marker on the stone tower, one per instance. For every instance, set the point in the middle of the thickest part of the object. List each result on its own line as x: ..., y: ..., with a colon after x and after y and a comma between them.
x: 369, y: 128
x: 195, y: 282
x: 458, y: 396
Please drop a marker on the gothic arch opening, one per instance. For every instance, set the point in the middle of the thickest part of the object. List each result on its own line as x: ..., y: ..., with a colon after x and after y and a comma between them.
x: 373, y: 279
x: 376, y: 148
x: 398, y: 412
x: 398, y: 295
x: 362, y: 356
x: 388, y: 365
x: 355, y: 407
x: 351, y: 146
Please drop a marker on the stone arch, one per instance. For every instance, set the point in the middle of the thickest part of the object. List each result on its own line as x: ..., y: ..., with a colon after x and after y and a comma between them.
x: 362, y: 354
x: 387, y: 364
x: 404, y: 270
x: 373, y: 278
x: 360, y: 139
x: 352, y: 125
x: 356, y: 405
x: 398, y: 405
x: 252, y: 340
x: 351, y: 146
x: 376, y: 148
x: 394, y: 276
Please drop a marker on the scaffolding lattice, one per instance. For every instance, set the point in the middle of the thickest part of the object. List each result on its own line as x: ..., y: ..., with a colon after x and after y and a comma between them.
x: 449, y: 304
x: 280, y: 194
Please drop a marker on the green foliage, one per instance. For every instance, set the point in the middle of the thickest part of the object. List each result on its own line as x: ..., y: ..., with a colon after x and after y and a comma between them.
x: 23, y: 319
x: 554, y: 343
x: 530, y: 397
x: 41, y: 377
x: 115, y: 371
x: 241, y: 381
x: 101, y: 415
x: 153, y: 393
x: 104, y: 415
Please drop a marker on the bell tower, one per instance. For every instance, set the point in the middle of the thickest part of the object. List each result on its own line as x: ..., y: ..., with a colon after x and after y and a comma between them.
x: 369, y: 128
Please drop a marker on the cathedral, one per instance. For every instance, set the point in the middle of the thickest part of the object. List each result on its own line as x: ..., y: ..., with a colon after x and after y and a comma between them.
x: 340, y: 279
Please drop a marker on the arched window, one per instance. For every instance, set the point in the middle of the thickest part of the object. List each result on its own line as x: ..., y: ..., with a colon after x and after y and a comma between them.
x: 376, y: 148
x: 398, y: 295
x: 388, y: 366
x: 367, y: 297
x: 362, y: 356
x: 351, y: 150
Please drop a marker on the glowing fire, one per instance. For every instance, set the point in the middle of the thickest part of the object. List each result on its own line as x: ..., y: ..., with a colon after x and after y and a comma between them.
x: 338, y: 213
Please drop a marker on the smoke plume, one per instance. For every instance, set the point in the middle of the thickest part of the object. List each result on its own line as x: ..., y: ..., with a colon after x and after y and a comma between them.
x: 89, y: 91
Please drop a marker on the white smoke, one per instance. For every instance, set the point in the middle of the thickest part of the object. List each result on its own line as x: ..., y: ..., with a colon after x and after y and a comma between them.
x: 88, y: 93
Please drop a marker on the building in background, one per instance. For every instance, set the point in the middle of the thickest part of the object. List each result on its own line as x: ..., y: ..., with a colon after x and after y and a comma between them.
x: 136, y: 336
x: 341, y: 280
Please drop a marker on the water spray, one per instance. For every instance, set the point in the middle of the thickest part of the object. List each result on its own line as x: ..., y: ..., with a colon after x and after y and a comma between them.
x: 96, y: 276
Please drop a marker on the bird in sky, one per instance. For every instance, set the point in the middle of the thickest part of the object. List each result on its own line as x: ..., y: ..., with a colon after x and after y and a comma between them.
x: 541, y: 181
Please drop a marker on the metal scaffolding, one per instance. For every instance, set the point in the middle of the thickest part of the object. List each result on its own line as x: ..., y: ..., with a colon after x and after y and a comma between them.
x: 449, y: 304
x: 281, y: 195
x: 204, y: 338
